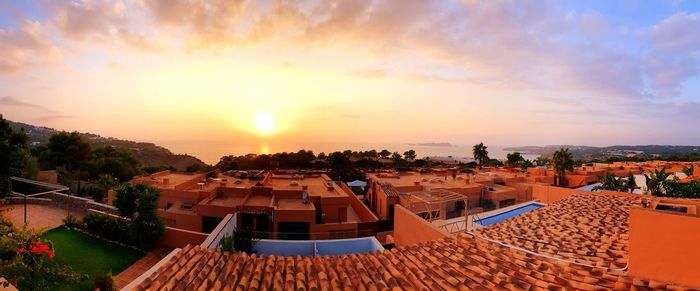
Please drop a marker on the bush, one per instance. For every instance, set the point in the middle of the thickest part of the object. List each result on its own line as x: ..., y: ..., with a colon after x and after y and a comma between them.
x: 108, y: 227
x: 6, y: 226
x: 71, y: 221
x: 244, y: 240
x: 226, y: 243
x: 104, y: 283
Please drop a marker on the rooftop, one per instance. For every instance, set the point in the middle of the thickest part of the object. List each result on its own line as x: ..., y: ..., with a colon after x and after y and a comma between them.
x: 461, y: 262
x: 588, y: 229
x: 431, y: 180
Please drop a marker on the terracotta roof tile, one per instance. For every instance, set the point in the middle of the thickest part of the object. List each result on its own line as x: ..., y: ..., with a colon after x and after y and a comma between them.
x: 462, y: 262
x: 588, y: 229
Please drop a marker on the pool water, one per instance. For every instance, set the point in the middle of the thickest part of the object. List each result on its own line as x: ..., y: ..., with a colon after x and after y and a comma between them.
x: 508, y: 214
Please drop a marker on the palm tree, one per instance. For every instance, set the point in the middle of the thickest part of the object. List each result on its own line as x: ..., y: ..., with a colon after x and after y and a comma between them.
x: 104, y: 183
x: 655, y: 181
x: 630, y: 184
x: 609, y: 182
x: 688, y: 170
x: 481, y: 155
x: 612, y: 183
x: 563, y: 161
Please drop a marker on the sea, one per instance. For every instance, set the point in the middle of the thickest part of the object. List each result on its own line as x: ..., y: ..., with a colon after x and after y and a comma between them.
x: 211, y: 152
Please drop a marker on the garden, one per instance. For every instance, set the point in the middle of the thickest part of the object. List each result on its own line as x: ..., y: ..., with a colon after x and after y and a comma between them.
x: 82, y: 254
x: 89, y: 256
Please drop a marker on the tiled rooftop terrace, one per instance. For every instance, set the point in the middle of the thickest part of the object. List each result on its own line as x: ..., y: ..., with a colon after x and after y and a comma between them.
x: 461, y: 262
x: 584, y: 228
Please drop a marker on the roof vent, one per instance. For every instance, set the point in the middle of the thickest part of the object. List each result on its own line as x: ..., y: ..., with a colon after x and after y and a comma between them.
x: 330, y: 186
x: 305, y: 197
x: 294, y: 183
x: 674, y: 208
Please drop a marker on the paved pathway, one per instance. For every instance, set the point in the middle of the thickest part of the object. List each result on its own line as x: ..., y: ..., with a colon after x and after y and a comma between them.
x: 140, y: 267
x: 39, y: 217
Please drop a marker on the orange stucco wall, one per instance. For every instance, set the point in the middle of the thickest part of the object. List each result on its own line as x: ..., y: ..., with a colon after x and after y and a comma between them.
x: 410, y: 229
x: 551, y: 194
x: 664, y: 247
x: 178, y: 238
x: 180, y: 220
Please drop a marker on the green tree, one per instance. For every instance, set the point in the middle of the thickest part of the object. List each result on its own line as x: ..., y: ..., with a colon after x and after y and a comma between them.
x: 514, y: 159
x: 397, y: 160
x: 67, y: 149
x: 104, y: 183
x: 689, y: 170
x: 121, y: 164
x: 609, y: 182
x: 146, y: 227
x: 227, y: 163
x: 481, y: 155
x: 410, y: 155
x: 630, y: 183
x: 526, y: 164
x: 14, y: 155
x: 681, y: 190
x: 563, y: 161
x: 384, y: 154
x: 655, y: 181
x: 541, y: 161
x: 127, y: 198
x: 342, y: 168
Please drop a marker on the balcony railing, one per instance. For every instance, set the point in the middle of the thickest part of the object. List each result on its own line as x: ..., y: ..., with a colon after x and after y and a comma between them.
x: 312, y: 235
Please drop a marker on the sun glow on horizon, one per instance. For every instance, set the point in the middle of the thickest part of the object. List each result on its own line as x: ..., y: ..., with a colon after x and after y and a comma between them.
x: 264, y: 122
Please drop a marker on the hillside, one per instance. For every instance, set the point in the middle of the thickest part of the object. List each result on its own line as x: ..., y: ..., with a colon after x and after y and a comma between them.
x: 589, y: 152
x: 148, y: 154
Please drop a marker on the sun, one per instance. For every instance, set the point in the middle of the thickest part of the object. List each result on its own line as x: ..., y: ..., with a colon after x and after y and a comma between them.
x: 264, y: 122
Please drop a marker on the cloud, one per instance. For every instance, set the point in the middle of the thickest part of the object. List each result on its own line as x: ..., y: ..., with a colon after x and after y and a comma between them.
x: 103, y: 21
x: 51, y: 118
x: 20, y: 48
x: 675, y: 53
x: 522, y: 44
x: 44, y: 114
x: 13, y: 101
x: 208, y: 23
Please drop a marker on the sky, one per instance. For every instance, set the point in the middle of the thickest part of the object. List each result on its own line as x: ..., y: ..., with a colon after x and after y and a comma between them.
x: 502, y: 72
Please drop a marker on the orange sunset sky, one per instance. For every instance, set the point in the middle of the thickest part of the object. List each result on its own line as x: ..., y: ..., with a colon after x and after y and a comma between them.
x: 503, y: 72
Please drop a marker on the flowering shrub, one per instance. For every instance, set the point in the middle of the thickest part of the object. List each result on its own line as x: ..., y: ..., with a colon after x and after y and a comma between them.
x: 27, y: 261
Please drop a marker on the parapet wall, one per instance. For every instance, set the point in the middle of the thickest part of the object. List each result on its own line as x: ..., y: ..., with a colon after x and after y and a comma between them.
x: 178, y: 238
x: 410, y: 229
x: 664, y: 246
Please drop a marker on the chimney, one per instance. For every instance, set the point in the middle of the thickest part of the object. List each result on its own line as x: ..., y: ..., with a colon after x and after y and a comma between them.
x: 416, y: 183
x: 166, y: 180
x: 305, y: 187
x: 330, y: 185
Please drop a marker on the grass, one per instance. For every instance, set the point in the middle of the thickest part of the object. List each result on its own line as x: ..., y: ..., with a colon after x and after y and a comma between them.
x: 89, y: 255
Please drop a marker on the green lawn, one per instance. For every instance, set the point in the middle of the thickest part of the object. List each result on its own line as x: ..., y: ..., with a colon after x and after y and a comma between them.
x: 89, y: 255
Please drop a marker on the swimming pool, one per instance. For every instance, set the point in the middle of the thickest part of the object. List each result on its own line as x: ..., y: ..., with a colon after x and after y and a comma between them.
x: 508, y: 214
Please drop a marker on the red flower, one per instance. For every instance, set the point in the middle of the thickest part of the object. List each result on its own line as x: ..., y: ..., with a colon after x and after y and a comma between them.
x: 20, y: 250
x: 50, y: 255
